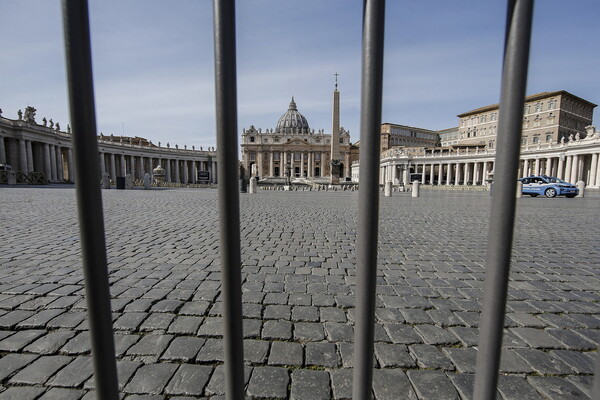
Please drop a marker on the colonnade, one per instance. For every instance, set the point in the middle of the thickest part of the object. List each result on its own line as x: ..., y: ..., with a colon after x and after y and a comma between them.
x: 307, y: 163
x: 572, y: 167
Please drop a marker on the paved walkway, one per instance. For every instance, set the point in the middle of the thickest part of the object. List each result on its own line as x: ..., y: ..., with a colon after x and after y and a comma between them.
x: 298, y: 253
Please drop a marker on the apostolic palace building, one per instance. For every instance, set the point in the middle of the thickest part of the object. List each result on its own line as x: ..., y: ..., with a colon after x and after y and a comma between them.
x: 558, y: 139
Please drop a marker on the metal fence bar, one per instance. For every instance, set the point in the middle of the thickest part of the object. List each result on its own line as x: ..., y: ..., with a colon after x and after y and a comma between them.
x: 89, y: 197
x: 229, y: 201
x: 368, y: 200
x: 512, y: 101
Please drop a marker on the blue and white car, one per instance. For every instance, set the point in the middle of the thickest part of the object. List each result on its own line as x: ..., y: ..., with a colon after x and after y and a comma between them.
x: 548, y: 186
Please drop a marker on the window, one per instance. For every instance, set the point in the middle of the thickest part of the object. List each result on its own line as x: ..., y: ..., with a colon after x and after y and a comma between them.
x: 548, y: 137
x: 317, y: 156
x: 523, y: 141
x: 251, y: 139
x: 536, y: 139
x: 276, y: 156
x: 527, y: 109
x: 491, y: 144
x: 342, y: 140
x: 525, y: 123
x: 552, y: 104
x: 538, y: 106
x: 537, y: 121
x: 252, y: 155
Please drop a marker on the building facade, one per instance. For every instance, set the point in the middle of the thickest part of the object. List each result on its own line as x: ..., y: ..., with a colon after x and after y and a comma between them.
x: 558, y: 140
x: 408, y: 136
x: 28, y: 146
x: 293, y: 145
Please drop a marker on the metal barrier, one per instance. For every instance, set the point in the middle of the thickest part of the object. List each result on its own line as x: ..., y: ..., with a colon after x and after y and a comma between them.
x: 516, y: 56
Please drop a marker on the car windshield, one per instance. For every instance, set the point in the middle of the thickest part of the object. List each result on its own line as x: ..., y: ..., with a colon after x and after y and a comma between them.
x: 555, y: 180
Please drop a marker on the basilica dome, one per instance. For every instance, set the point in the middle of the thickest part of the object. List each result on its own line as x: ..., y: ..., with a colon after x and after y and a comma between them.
x: 292, y: 121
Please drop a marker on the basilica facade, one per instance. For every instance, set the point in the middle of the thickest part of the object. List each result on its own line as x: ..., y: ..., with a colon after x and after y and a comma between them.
x: 294, y: 148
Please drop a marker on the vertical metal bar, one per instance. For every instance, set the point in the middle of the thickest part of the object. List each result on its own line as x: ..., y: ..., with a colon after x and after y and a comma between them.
x: 89, y: 198
x: 368, y: 200
x: 512, y: 99
x: 229, y: 202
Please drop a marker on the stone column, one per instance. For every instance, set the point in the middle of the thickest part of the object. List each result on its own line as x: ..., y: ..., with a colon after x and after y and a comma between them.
x: 597, y: 183
x: 70, y: 166
x: 593, y: 169
x: 132, y: 166
x: 194, y: 172
x: 568, y: 168
x: 431, y: 177
x: 113, y: 167
x: 2, y: 151
x: 525, y: 168
x: 536, y: 170
x: 122, y: 166
x: 30, y: 167
x: 440, y: 173
x: 458, y: 173
x: 177, y: 175
x: 168, y: 170
x: 302, y: 164
x: 476, y: 167
x: 406, y: 176
x: 560, y: 168
x: 60, y: 176
x: 271, y: 164
x: 186, y: 171
x: 449, y: 174
x: 102, y: 164
x: 47, y: 162
x: 23, y: 157
x: 548, y: 168
x: 52, y: 163
x: 575, y: 169
x: 467, y: 173
x: 214, y: 172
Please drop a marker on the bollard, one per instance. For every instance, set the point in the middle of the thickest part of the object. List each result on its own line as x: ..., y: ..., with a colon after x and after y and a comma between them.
x: 11, y: 177
x: 253, y: 188
x: 147, y: 181
x: 388, y: 189
x: 243, y: 185
x: 415, y: 188
x: 128, y: 181
x: 581, y: 186
x: 105, y: 181
x: 519, y: 189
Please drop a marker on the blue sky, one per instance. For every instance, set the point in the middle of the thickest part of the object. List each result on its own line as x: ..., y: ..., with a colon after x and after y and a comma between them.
x: 154, y: 66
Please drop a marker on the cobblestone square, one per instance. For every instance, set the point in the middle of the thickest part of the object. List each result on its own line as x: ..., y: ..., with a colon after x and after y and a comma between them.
x: 298, y: 253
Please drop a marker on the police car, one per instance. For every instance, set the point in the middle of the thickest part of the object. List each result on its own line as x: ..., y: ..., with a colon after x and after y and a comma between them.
x: 548, y: 186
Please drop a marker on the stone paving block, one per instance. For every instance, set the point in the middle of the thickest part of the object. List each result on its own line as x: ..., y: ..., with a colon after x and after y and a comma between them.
x: 432, y: 385
x: 22, y: 393
x: 516, y: 388
x: 74, y: 374
x: 428, y: 356
x: 184, y: 324
x: 139, y: 305
x: 157, y: 322
x: 341, y: 384
x: 281, y: 330
x: 50, y: 343
x: 183, y: 348
x: 252, y: 328
x: 268, y: 382
x: 321, y: 354
x: 20, y: 339
x: 150, y: 345
x: 123, y: 342
x: 151, y: 379
x: 435, y: 335
x: 402, y: 334
x: 556, y: 388
x: 286, y: 353
x: 212, y: 326
x: 11, y: 363
x: 255, y: 351
x: 464, y: 384
x: 189, y: 380
x: 277, y: 311
x: 11, y: 319
x: 129, y: 321
x: 544, y: 363
x: 211, y: 351
x: 469, y: 337
x: 62, y: 394
x: 339, y: 332
x: 197, y: 308
x: 571, y: 339
x: 583, y: 383
x: 389, y: 383
x: 393, y: 356
x: 463, y: 358
x: 310, y: 385
x: 581, y: 363
x: 510, y: 362
x: 40, y: 319
x: 537, y: 338
x: 40, y: 370
x: 216, y: 385
x: 69, y: 320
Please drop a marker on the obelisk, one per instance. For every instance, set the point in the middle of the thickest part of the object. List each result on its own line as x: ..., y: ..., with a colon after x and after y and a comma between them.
x: 335, y: 136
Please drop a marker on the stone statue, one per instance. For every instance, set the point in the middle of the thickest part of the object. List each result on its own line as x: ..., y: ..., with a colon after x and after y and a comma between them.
x: 577, y: 137
x: 185, y: 146
x: 51, y: 123
x: 168, y: 146
x: 29, y: 114
x: 0, y: 112
x: 571, y: 137
x: 44, y: 121
x: 20, y: 114
x: 57, y: 127
x: 158, y: 144
x: 200, y: 148
x: 177, y: 146
x: 193, y: 147
x: 68, y: 128
x: 562, y: 140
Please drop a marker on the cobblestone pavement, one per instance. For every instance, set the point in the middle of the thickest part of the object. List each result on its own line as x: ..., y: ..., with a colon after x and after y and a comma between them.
x: 298, y: 254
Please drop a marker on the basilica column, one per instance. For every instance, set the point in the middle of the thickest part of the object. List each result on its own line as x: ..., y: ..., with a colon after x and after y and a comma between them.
x: 440, y: 173
x: 214, y: 173
x: 23, y: 157
x: 113, y: 167
x: 449, y: 174
x: 271, y: 164
x: 548, y: 167
x: 52, y: 163
x: 431, y: 177
x: 302, y: 164
x: 593, y: 170
x: 70, y: 165
x: 185, y: 172
x: 568, y: 168
x: 122, y: 166
x: 168, y: 170
x: 177, y: 175
x: 29, y: 149
x: 476, y: 167
x: 525, y: 169
x: 597, y: 183
x: 2, y: 151
x: 59, y: 165
x: 467, y: 173
x: 47, y: 162
x: 560, y: 168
